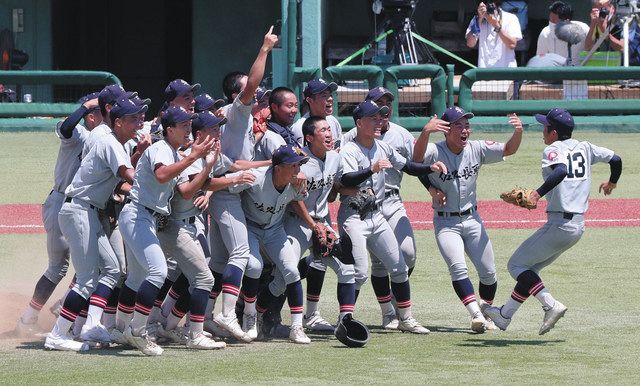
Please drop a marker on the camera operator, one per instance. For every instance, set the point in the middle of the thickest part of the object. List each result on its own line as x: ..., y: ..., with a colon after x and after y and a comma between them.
x: 602, y: 14
x: 548, y: 42
x: 496, y: 33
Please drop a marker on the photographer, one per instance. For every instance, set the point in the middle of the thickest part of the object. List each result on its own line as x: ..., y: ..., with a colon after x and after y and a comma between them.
x: 496, y: 33
x: 602, y: 15
x: 549, y: 43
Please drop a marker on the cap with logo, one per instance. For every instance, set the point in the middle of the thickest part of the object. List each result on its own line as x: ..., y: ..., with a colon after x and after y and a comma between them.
x: 287, y: 154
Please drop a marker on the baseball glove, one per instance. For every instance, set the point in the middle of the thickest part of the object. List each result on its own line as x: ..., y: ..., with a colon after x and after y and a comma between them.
x: 363, y: 202
x: 519, y: 197
x: 323, y: 240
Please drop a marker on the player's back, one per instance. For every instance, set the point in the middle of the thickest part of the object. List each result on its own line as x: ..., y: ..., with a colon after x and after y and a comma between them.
x: 572, y: 194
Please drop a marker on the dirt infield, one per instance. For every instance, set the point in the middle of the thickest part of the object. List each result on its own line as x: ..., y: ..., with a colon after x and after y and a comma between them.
x: 495, y: 214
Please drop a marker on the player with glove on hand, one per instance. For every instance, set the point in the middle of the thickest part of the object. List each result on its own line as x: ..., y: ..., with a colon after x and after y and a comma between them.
x: 566, y: 168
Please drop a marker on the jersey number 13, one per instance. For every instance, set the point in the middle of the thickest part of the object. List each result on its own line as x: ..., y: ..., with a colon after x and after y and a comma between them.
x: 576, y: 168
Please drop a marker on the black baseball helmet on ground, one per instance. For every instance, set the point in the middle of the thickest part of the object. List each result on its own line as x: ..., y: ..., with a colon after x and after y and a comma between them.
x: 351, y: 332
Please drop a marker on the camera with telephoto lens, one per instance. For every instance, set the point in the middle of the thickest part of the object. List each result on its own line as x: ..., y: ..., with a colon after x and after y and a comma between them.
x: 604, y: 12
x: 491, y: 8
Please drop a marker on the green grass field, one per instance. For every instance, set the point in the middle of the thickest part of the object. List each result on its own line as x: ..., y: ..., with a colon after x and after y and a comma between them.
x: 596, y: 343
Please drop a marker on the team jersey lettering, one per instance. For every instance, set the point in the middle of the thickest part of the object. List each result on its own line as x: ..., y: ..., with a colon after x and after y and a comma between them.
x: 466, y: 173
x: 314, y: 184
x: 269, y: 209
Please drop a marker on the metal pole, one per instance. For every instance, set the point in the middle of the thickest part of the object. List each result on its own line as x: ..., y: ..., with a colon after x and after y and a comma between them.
x: 292, y: 26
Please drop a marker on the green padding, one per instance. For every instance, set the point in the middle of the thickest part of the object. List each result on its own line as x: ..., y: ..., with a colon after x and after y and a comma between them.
x: 301, y: 75
x: 19, y: 110
x: 414, y: 71
x: 595, y: 106
x: 28, y: 124
x: 58, y: 77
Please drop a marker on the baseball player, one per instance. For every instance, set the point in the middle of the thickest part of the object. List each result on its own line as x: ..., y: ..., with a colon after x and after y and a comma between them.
x: 155, y: 178
x: 93, y: 183
x: 318, y: 97
x: 322, y: 171
x: 204, y: 102
x: 359, y: 215
x: 392, y: 209
x: 264, y: 203
x: 284, y: 107
x: 72, y: 135
x: 179, y: 238
x: 566, y: 169
x: 231, y: 258
x: 457, y: 223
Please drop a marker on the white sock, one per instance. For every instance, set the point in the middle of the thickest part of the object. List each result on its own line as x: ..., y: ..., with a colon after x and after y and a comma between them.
x: 93, y: 316
x: 156, y: 315
x: 546, y: 299
x: 473, y: 308
x: 123, y: 319
x: 250, y: 308
x: 208, y: 312
x: 30, y: 315
x: 296, y: 320
x: 138, y: 323
x: 173, y: 321
x: 312, y: 307
x: 167, y: 306
x: 510, y: 308
x: 77, y: 325
x: 108, y: 320
x: 404, y: 313
x: 62, y: 326
x: 228, y: 304
x: 196, y: 328
x: 387, y: 308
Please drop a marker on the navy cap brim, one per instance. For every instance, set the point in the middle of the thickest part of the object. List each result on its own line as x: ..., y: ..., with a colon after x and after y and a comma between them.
x: 465, y: 115
x: 542, y: 119
x: 377, y: 98
x: 299, y: 159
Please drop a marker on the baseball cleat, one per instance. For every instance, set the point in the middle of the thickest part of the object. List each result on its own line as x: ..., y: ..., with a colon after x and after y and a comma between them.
x: 390, y: 321
x: 230, y: 323
x: 203, y: 342
x: 118, y: 337
x: 152, y: 330
x: 64, y: 343
x: 478, y: 323
x: 172, y: 336
x: 411, y: 325
x: 297, y: 335
x: 143, y: 343
x: 29, y: 330
x: 551, y: 317
x: 213, y: 328
x: 315, y: 322
x: 496, y: 317
x: 96, y: 333
x: 250, y: 326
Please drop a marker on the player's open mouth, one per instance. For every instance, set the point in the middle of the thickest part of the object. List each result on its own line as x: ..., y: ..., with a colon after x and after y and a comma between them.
x: 328, y: 107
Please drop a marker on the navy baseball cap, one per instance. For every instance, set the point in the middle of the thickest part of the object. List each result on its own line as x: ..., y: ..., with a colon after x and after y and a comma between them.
x: 455, y: 113
x: 316, y: 86
x: 262, y: 93
x: 207, y: 119
x: 368, y: 108
x: 139, y: 101
x: 88, y: 97
x: 287, y: 154
x: 125, y: 106
x: 174, y: 115
x: 205, y: 102
x: 111, y: 93
x: 377, y: 93
x: 559, y: 119
x: 179, y: 87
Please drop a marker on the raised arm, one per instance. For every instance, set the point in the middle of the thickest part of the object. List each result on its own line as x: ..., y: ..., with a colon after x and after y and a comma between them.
x: 513, y: 143
x: 257, y: 70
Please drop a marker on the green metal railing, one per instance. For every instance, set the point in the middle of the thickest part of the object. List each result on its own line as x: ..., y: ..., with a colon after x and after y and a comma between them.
x: 21, y: 110
x: 577, y: 107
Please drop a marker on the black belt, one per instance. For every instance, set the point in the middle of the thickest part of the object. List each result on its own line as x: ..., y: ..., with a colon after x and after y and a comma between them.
x: 68, y: 199
x: 459, y: 214
x: 566, y: 215
x: 151, y: 211
x: 189, y: 220
x: 392, y: 192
